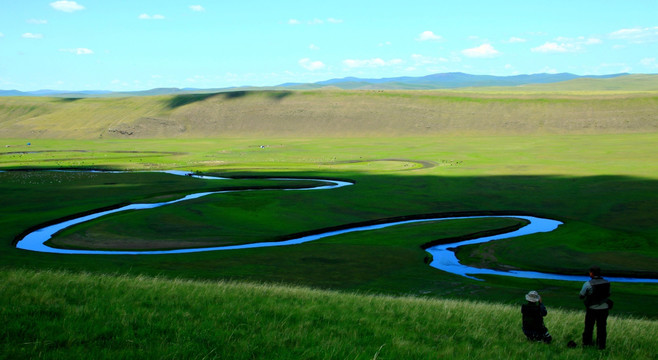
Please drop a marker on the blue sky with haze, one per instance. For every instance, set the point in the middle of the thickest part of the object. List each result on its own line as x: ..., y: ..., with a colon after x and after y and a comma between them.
x: 143, y: 44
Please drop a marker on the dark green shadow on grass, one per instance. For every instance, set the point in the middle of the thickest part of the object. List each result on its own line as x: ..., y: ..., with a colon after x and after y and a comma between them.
x: 186, y: 99
x: 608, y: 220
x: 69, y: 99
x: 182, y: 100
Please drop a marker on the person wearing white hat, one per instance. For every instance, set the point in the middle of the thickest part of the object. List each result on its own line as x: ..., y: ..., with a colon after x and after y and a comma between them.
x: 533, y: 318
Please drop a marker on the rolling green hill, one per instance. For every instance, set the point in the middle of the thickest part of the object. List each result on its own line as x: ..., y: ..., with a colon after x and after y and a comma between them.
x: 627, y: 83
x: 330, y: 113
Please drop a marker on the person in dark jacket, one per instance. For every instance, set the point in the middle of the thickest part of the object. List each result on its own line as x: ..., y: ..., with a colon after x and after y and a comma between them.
x: 596, y: 293
x: 533, y: 318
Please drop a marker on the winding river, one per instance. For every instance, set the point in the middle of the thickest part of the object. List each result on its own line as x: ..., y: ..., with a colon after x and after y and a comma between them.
x: 444, y: 257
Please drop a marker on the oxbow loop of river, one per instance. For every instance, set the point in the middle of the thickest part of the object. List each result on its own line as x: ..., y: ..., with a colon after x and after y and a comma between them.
x: 444, y: 257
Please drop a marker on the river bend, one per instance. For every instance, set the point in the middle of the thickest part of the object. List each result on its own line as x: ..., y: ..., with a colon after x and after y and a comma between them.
x: 444, y: 257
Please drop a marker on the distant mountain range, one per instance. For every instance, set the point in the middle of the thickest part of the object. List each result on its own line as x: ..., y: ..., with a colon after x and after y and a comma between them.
x: 451, y: 80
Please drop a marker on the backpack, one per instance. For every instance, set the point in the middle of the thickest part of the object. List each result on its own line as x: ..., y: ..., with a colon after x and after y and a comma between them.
x: 600, y: 292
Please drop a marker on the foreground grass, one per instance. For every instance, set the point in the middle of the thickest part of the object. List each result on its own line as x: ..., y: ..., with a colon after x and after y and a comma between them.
x: 61, y: 315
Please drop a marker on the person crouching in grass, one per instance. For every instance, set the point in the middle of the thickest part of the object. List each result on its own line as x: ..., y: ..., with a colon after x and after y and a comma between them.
x: 533, y: 318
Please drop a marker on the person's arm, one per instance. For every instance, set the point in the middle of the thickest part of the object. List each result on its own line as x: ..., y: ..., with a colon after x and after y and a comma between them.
x: 585, y: 290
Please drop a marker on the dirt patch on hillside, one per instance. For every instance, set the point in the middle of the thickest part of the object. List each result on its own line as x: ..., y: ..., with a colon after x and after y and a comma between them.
x: 147, y: 127
x: 421, y: 164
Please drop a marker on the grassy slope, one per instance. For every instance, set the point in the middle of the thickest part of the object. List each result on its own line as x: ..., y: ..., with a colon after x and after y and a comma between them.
x: 62, y: 315
x: 328, y: 113
x: 628, y: 83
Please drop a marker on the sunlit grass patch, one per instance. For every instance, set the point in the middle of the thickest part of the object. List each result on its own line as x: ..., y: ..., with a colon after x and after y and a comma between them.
x: 105, y: 316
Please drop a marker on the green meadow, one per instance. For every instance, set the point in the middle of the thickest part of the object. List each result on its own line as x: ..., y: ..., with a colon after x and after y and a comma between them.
x: 63, y: 315
x: 358, y: 295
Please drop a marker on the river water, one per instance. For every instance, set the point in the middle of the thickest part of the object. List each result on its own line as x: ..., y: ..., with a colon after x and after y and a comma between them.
x: 443, y: 255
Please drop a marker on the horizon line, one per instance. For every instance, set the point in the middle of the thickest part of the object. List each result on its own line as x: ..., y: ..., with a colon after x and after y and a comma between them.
x: 52, y: 91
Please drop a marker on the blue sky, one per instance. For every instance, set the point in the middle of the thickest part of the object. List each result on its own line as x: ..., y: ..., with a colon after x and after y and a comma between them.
x: 143, y: 44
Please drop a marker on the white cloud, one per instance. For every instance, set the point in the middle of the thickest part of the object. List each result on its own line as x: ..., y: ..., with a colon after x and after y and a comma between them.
x: 608, y: 68
x: 334, y: 21
x: 151, y: 17
x: 314, y: 47
x: 482, y: 51
x: 294, y: 22
x: 385, y: 43
x: 37, y: 21
x: 514, y: 39
x: 578, y: 42
x: 428, y: 36
x: 637, y: 35
x: 66, y: 6
x: 196, y: 79
x: 626, y: 33
x: 83, y: 51
x: 32, y: 36
x: 649, y: 62
x: 375, y: 62
x: 550, y: 47
x: 308, y: 64
x: 78, y: 51
x: 427, y: 60
x: 197, y: 8
x: 2, y: 35
x: 563, y: 44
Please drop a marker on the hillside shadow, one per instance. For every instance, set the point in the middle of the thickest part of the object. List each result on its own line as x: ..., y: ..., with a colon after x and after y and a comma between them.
x: 613, y: 215
x: 69, y: 99
x: 182, y: 100
x: 274, y: 95
x: 186, y: 99
x: 279, y: 95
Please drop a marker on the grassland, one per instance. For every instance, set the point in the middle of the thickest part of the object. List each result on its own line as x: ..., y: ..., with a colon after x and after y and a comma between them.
x: 330, y: 113
x: 60, y: 315
x: 600, y: 184
x: 584, y: 180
